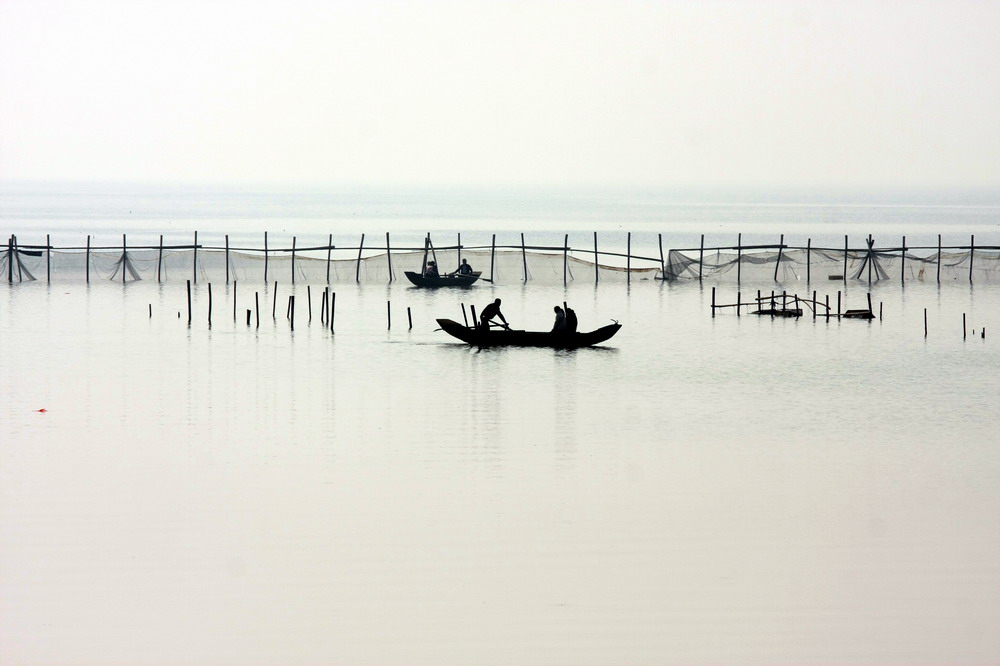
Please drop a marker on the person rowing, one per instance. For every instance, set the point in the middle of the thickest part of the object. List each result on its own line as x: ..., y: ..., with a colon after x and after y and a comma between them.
x: 489, y: 312
x: 464, y: 268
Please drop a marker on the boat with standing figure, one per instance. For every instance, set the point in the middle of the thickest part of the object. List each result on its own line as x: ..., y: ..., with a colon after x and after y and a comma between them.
x: 508, y: 337
x: 448, y: 280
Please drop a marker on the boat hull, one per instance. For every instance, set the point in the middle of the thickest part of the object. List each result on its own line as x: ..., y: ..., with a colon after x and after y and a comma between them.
x: 442, y: 280
x: 511, y: 338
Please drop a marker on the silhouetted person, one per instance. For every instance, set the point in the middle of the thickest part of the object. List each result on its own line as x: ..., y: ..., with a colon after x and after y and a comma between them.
x: 432, y: 270
x: 560, y: 322
x: 570, y: 320
x: 465, y: 268
x: 489, y: 312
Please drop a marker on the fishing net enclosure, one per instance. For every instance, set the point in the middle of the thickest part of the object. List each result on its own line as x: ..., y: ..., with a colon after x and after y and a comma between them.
x: 505, y: 266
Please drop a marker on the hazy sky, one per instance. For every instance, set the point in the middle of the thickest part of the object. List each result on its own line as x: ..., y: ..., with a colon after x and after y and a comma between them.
x: 614, y: 92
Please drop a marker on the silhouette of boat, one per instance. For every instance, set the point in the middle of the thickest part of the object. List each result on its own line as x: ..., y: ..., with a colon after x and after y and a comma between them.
x: 507, y: 337
x: 456, y: 280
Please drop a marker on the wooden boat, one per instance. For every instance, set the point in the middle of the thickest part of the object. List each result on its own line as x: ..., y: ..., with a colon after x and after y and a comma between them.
x: 511, y: 338
x: 456, y: 280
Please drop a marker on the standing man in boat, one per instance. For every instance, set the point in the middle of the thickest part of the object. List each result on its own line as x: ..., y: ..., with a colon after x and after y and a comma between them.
x: 489, y: 312
x: 465, y: 268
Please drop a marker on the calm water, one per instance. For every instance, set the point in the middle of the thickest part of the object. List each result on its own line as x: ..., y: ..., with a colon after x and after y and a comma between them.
x: 701, y: 490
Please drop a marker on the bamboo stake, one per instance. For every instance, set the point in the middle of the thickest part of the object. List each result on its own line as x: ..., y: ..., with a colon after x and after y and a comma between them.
x: 210, y: 305
x: 265, y: 257
x: 596, y: 270
x: 159, y: 259
x: 713, y: 301
x: 189, y: 301
x: 777, y: 264
x: 333, y: 308
x: 291, y: 307
x: 701, y: 256
x: 256, y: 305
x: 663, y: 264
x: 48, y: 259
x: 925, y: 322
x: 493, y: 250
x: 194, y: 268
x: 939, y: 260
x: 565, y: 257
x: 88, y: 260
x: 809, y: 261
x: 309, y: 300
x: 739, y: 257
x: 845, y: 270
x: 293, y: 259
x: 124, y: 257
x: 329, y: 249
x: 357, y: 272
x: 388, y: 254
x: 972, y: 255
x: 409, y: 317
x: 902, y: 264
x: 274, y: 304
x: 234, y: 300
x: 524, y: 258
x: 227, y: 271
x: 388, y: 315
x: 628, y: 258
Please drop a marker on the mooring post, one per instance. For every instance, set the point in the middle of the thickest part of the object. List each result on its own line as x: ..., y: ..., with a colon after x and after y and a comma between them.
x: 963, y: 325
x: 524, y: 258
x: 48, y: 259
x: 227, y: 268
x: 388, y: 315
x: 265, y: 257
x: 288, y: 308
x: 88, y: 261
x: 322, y: 308
x: 814, y: 303
x: 159, y: 259
x: 309, y: 300
x: 357, y: 271
x: 293, y: 259
x: 838, y: 304
x: 828, y: 307
x: 124, y: 257
x: 150, y: 310
x: 256, y: 305
x: 333, y: 308
x: 739, y: 299
x: 189, y: 301
x: 713, y: 301
x: 291, y: 308
x: 663, y: 264
x: 871, y: 258
x: 194, y: 267
x: 274, y: 304
x: 409, y: 317
x: 925, y: 322
x: 249, y: 312
x: 210, y: 305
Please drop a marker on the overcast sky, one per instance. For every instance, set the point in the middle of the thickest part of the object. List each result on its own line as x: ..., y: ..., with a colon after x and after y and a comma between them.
x: 712, y: 93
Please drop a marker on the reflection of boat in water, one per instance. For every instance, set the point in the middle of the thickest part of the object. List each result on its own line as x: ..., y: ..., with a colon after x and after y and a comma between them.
x: 456, y: 280
x: 506, y: 337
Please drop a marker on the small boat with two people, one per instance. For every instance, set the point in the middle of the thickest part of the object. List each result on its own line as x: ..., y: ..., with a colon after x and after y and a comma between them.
x: 430, y: 276
x: 487, y: 333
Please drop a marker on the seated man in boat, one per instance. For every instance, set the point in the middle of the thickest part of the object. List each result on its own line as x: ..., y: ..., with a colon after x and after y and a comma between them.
x: 465, y: 268
x: 560, y: 323
x: 432, y: 270
x: 489, y: 312
x: 571, y: 322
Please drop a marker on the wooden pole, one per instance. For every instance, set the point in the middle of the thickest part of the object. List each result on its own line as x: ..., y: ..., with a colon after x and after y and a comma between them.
x: 293, y: 259
x: 739, y: 257
x: 565, y: 258
x: 265, y: 257
x: 472, y: 311
x: 388, y: 315
x: 701, y: 256
x: 249, y: 312
x: 838, y: 304
x: 274, y: 304
x: 309, y: 300
x: 256, y: 305
x: 291, y: 306
x: 963, y: 325
x: 713, y: 301
x: 234, y: 300
x: 777, y: 264
x: 124, y: 257
x: 333, y: 308
x: 210, y: 305
x: 524, y: 258
x: 194, y: 267
x: 972, y: 255
x: 227, y: 269
x: 870, y: 304
x: 189, y: 301
x: 925, y: 322
x: 939, y: 260
x: 464, y: 318
x: 48, y: 259
x: 845, y: 270
x: 388, y: 254
x: 902, y: 263
x: 814, y: 303
x: 357, y: 271
x: 159, y: 259
x: 409, y: 317
x: 628, y: 258
x: 458, y: 250
x: 88, y: 261
x: 871, y: 259
x: 493, y: 250
x: 663, y: 264
x: 329, y: 249
x: 739, y: 299
x: 596, y: 261
x: 828, y: 307
x: 809, y: 261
